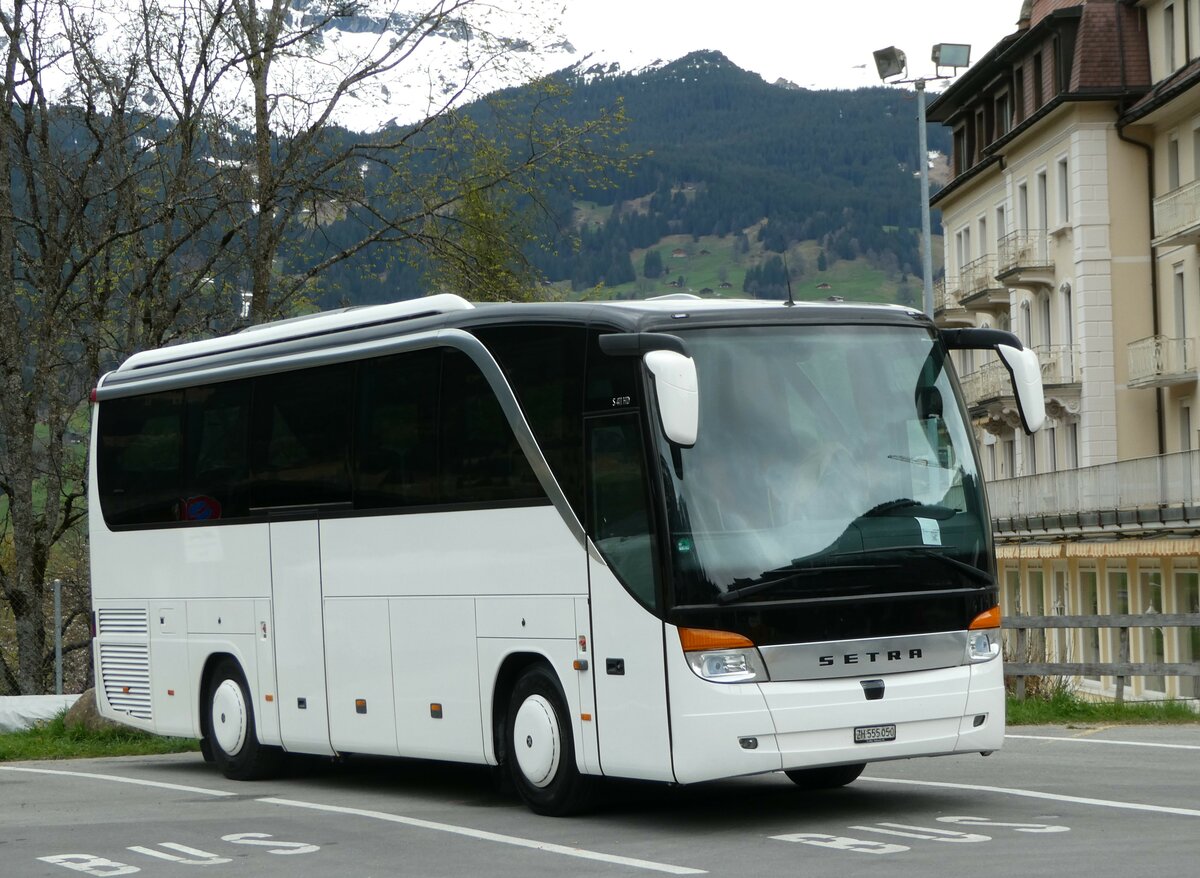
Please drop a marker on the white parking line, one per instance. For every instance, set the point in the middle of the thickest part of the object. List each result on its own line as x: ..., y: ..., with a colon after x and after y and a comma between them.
x: 118, y: 779
x: 480, y: 834
x: 1101, y: 741
x: 1036, y: 794
x: 492, y: 836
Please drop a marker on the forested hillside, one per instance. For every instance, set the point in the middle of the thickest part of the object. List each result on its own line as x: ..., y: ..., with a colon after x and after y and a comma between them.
x: 725, y: 152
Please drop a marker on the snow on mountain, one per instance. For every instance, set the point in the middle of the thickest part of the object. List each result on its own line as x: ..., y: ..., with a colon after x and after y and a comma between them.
x: 479, y: 46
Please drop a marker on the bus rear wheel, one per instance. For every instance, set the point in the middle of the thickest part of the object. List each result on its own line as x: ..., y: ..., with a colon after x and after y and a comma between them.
x: 540, y: 748
x: 230, y: 730
x: 827, y: 778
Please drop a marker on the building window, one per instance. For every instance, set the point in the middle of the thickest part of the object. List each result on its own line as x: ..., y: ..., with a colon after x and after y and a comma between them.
x: 1003, y: 114
x: 1169, y: 35
x: 1001, y: 223
x: 1064, y: 193
x: 1018, y: 95
x: 961, y: 159
x: 1042, y: 202
x: 1089, y: 591
x: 1031, y: 463
x: 1172, y: 162
x: 981, y: 138
x: 1038, y: 97
x: 1051, y: 450
x: 1153, y: 641
x: 1072, y: 448
x: 1010, y: 458
x: 1022, y: 208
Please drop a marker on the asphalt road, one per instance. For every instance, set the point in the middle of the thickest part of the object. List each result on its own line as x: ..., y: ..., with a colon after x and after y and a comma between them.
x: 1096, y: 802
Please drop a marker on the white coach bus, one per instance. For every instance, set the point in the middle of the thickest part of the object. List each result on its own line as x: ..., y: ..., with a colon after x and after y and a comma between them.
x: 674, y: 540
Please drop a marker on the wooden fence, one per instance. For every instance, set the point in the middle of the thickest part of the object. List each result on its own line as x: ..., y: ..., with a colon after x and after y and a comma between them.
x: 1120, y: 669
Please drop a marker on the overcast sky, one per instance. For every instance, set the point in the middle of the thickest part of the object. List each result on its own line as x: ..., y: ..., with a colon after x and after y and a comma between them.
x: 814, y: 43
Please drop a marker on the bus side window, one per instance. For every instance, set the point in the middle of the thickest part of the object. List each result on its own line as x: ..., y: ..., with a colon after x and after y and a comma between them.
x: 139, y: 458
x: 217, y: 450
x: 619, y: 514
x: 301, y: 437
x: 481, y: 460
x: 396, y: 431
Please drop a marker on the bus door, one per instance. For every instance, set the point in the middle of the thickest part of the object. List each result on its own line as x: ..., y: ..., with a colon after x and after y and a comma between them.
x: 299, y: 636
x: 629, y: 666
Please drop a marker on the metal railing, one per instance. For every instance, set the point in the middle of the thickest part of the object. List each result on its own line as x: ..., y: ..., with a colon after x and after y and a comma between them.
x: 979, y: 275
x: 1143, y: 483
x: 1177, y: 211
x: 946, y: 293
x: 1059, y: 364
x: 1120, y: 669
x: 1027, y: 249
x: 1158, y: 358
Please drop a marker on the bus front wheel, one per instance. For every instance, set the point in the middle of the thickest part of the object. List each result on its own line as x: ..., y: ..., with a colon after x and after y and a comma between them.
x: 541, y: 749
x: 825, y: 778
x: 230, y: 730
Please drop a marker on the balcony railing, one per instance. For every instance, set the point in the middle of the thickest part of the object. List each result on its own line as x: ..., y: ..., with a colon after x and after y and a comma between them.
x: 990, y: 381
x: 1177, y: 215
x: 980, y: 275
x: 1023, y: 250
x: 1169, y: 480
x: 1059, y: 363
x: 1159, y: 361
x: 946, y: 292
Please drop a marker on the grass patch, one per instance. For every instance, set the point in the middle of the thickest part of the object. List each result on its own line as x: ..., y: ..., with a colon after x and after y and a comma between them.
x: 1062, y: 707
x: 53, y: 740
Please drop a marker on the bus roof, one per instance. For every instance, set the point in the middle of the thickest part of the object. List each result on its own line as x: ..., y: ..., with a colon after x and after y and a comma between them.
x: 445, y: 310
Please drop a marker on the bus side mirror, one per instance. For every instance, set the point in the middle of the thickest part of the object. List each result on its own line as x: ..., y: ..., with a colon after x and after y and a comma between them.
x: 677, y: 392
x: 1026, y: 376
x: 1020, y: 361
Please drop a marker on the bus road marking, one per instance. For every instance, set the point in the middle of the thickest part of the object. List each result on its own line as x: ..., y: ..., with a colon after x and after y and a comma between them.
x: 1037, y: 794
x: 484, y: 835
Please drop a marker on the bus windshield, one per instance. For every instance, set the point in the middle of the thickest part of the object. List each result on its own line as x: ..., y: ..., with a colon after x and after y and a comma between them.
x: 831, y: 461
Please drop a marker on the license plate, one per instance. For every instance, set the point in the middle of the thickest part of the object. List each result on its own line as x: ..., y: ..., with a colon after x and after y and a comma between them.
x: 869, y: 734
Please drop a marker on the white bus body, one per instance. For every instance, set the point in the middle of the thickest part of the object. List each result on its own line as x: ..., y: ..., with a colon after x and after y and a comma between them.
x: 452, y: 532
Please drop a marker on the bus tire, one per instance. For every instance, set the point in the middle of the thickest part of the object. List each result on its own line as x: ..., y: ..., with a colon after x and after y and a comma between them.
x: 827, y: 778
x: 230, y: 730
x: 540, y: 747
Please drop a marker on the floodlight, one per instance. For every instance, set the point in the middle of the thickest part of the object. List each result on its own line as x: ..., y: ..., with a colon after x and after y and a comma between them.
x: 952, y: 55
x: 890, y: 62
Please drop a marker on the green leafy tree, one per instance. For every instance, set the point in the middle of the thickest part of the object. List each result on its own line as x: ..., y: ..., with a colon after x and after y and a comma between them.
x: 652, y: 264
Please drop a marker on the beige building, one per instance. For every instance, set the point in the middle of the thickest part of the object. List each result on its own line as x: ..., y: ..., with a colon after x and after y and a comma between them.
x: 1072, y: 218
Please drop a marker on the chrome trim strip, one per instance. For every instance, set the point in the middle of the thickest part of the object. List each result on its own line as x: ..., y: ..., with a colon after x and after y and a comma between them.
x: 868, y: 657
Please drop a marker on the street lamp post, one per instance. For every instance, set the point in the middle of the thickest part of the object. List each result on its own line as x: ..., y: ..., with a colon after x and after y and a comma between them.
x: 891, y: 63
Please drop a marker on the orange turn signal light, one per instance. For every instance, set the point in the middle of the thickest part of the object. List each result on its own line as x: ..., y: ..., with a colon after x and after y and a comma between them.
x: 701, y: 639
x: 988, y: 619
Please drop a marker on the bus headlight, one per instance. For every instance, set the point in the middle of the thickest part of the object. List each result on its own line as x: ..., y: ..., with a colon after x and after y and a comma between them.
x: 983, y: 636
x: 721, y: 656
x: 982, y: 646
x: 728, y: 665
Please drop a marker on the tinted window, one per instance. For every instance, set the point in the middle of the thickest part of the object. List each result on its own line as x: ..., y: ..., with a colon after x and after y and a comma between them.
x: 613, y: 383
x: 301, y: 437
x: 544, y: 366
x: 139, y: 458
x: 480, y: 458
x: 217, y: 452
x: 396, y: 432
x: 619, y: 519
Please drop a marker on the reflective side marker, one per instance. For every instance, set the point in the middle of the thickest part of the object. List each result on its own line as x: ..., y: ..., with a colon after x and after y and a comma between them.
x: 171, y: 692
x: 435, y: 711
x: 269, y: 697
x: 586, y: 717
x: 360, y: 705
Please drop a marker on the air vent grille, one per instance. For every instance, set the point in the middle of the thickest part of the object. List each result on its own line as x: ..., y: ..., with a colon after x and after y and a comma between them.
x: 121, y: 620
x: 125, y: 675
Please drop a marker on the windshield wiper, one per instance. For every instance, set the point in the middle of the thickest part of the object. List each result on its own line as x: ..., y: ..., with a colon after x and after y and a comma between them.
x: 931, y: 552
x: 783, y: 575
x: 790, y: 573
